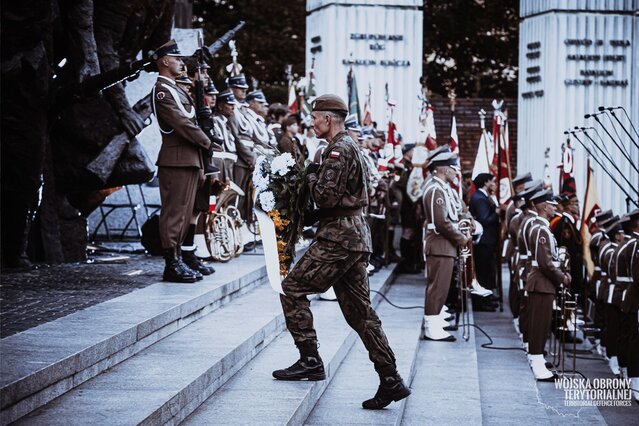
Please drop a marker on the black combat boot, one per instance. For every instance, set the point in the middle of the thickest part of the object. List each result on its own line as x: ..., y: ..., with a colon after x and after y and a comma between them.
x: 193, y: 262
x: 391, y: 388
x: 175, y: 270
x: 308, y: 367
x: 187, y: 268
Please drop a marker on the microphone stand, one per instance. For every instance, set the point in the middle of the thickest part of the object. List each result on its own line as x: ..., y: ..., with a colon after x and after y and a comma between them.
x: 611, y: 112
x: 606, y: 171
x: 605, y: 130
x: 629, y: 120
x: 609, y: 157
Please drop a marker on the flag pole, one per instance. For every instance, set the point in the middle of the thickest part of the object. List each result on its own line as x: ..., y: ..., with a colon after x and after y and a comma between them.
x: 497, y: 138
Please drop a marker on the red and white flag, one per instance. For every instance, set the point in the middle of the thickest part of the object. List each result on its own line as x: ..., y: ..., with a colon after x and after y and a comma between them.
x: 292, y: 100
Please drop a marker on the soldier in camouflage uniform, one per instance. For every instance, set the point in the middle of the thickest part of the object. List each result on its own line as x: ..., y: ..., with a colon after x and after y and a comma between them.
x: 338, y: 257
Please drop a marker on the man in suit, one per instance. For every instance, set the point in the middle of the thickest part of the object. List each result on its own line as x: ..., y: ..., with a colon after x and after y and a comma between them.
x: 485, y: 211
x: 180, y: 161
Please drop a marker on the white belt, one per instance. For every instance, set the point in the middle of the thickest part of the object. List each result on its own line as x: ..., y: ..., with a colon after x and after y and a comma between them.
x: 248, y: 143
x: 226, y: 155
x: 597, y: 268
x: 554, y: 262
x: 597, y: 286
x: 523, y: 256
x: 624, y: 279
x: 623, y: 295
x: 604, y: 274
x: 611, y: 290
x: 431, y: 226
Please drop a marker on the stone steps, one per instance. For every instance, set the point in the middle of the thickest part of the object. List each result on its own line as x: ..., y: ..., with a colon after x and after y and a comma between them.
x: 47, y: 361
x: 167, y: 380
x: 356, y: 380
x: 253, y: 397
x: 446, y: 384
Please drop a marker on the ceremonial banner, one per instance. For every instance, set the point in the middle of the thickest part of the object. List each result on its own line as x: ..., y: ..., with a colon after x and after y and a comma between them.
x: 591, y: 208
x: 368, y: 119
x: 484, y: 152
x: 292, y: 99
x: 353, y: 101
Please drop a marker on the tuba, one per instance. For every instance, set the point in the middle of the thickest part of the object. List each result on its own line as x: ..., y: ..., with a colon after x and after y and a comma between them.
x: 466, y: 276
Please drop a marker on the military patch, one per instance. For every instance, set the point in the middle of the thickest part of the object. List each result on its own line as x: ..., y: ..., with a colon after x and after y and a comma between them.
x: 542, y: 240
x: 439, y: 201
x: 160, y: 95
x: 334, y: 154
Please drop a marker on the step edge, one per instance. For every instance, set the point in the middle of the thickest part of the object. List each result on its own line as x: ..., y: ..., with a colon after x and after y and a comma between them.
x: 72, y: 365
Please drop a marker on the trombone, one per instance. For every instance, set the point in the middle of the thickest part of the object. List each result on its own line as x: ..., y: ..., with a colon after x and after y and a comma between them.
x: 469, y: 228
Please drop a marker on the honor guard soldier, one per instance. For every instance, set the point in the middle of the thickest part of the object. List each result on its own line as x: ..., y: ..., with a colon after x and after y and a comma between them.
x: 598, y: 235
x: 509, y: 247
x: 542, y: 282
x: 528, y: 217
x: 442, y: 240
x: 607, y: 254
x: 338, y: 257
x: 225, y: 109
x: 513, y: 261
x: 244, y: 144
x: 256, y: 114
x: 627, y: 297
x: 180, y: 161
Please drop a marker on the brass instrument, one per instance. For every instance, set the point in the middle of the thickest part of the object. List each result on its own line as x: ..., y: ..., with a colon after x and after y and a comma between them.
x: 565, y: 310
x: 467, y: 275
x: 223, y: 226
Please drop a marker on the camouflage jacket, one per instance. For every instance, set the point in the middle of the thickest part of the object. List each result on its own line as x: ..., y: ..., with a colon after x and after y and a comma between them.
x: 340, y: 184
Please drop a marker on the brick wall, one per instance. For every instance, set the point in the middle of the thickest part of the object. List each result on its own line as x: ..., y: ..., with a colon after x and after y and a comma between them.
x: 468, y: 130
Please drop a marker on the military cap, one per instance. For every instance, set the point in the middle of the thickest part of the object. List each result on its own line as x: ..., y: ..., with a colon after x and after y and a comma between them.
x: 443, y: 158
x: 184, y: 79
x: 603, y: 216
x: 633, y: 215
x: 481, y: 179
x: 257, y: 96
x: 523, y: 178
x: 227, y: 97
x: 351, y: 122
x: 544, y: 196
x: 435, y: 152
x: 614, y: 227
x: 568, y: 198
x: 531, y: 189
x: 407, y: 147
x: 330, y: 103
x: 170, y: 48
x: 238, y: 81
x: 210, y: 88
x: 607, y: 222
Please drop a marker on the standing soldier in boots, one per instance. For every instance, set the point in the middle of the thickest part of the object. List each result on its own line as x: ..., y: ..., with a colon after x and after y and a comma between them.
x: 441, y: 242
x: 542, y: 282
x: 338, y: 257
x: 180, y: 159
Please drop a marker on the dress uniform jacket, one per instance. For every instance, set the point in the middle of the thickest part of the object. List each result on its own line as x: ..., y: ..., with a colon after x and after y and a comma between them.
x: 606, y: 256
x: 628, y: 274
x: 568, y: 236
x: 181, y: 136
x: 528, y: 219
x: 596, y: 241
x: 180, y: 159
x: 442, y: 235
x: 261, y: 135
x: 621, y: 272
x: 243, y: 132
x: 226, y: 157
x: 545, y: 274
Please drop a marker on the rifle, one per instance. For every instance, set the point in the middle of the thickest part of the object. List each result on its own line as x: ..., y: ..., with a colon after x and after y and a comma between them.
x: 102, y: 166
x: 203, y: 111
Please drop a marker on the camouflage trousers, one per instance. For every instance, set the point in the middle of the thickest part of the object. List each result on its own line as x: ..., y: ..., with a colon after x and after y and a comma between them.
x: 327, y: 264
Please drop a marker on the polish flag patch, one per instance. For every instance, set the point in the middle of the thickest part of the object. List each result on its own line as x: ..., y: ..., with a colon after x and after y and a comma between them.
x: 334, y: 154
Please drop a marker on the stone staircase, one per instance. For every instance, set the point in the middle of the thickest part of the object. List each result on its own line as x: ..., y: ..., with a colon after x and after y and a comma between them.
x: 203, y: 354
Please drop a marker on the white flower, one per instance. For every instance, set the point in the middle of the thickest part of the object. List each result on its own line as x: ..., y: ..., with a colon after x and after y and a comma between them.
x: 282, y: 164
x: 267, y: 201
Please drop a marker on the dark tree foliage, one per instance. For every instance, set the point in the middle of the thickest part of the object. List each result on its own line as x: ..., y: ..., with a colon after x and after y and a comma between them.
x: 274, y: 36
x: 472, y: 45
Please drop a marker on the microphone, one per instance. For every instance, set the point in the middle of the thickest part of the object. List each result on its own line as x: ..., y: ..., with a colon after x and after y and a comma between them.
x: 601, y: 108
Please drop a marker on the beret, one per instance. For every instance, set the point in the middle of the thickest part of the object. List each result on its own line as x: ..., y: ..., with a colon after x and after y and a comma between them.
x: 330, y: 103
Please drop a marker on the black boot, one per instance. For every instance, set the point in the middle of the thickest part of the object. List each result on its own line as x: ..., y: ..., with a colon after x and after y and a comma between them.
x: 306, y: 368
x: 193, y: 262
x: 391, y: 388
x: 175, y: 270
x: 406, y: 265
x: 187, y: 268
